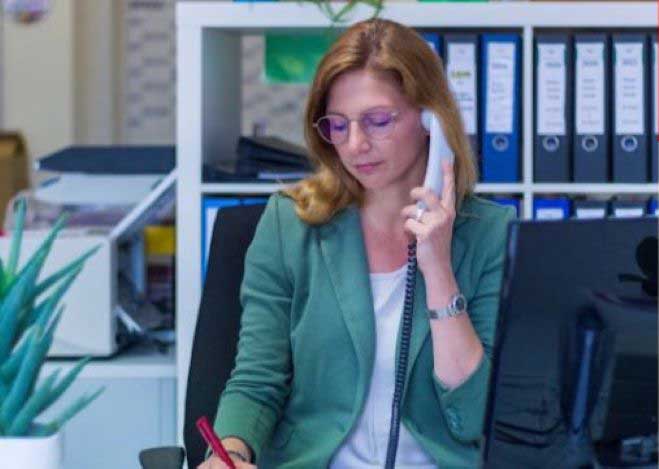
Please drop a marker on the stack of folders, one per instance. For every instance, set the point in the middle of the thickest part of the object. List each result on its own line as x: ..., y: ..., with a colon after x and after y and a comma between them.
x: 484, y: 75
x: 558, y: 208
x: 595, y: 105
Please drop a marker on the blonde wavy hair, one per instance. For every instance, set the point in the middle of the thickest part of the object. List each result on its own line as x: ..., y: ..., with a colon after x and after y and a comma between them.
x: 391, y: 49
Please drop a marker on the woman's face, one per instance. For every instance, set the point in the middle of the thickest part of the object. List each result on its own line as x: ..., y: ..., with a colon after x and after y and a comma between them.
x: 399, y: 158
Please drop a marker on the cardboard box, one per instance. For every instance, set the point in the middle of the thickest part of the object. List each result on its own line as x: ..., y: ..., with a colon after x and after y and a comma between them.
x: 13, y: 168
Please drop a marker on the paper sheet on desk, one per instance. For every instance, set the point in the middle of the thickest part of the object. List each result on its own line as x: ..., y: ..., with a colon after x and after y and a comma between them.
x: 85, y: 189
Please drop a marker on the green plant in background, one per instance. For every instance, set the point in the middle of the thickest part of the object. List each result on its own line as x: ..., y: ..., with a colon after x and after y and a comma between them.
x: 337, y: 17
x: 27, y: 326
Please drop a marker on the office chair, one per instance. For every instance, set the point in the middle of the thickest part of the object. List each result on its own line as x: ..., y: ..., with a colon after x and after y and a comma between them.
x: 218, y: 323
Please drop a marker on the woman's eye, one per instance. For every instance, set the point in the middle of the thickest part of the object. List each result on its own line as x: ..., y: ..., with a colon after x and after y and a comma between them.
x: 338, y: 126
x: 378, y: 120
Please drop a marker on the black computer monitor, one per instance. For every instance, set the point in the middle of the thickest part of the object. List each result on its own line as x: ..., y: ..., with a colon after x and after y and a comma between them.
x: 574, y: 372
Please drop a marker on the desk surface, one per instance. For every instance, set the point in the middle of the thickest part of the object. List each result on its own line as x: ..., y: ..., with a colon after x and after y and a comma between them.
x: 140, y: 361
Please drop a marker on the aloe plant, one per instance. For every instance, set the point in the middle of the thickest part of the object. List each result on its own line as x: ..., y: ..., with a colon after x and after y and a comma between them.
x: 29, y: 314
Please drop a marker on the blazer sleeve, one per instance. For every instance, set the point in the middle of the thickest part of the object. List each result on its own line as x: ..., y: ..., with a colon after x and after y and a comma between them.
x: 256, y: 392
x: 464, y: 406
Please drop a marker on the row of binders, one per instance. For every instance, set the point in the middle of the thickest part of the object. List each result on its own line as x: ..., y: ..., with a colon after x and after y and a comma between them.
x: 484, y: 74
x: 558, y: 208
x: 564, y: 207
x: 595, y: 106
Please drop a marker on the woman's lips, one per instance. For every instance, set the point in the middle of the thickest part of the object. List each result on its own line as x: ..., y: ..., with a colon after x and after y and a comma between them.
x: 368, y: 168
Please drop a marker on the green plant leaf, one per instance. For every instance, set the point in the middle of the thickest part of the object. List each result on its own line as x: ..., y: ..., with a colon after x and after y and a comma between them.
x: 68, y: 413
x: 43, y: 311
x: 33, y: 407
x: 17, y: 235
x: 20, y: 387
x: 2, y: 279
x: 12, y: 364
x: 75, y: 265
x: 64, y: 384
x: 27, y: 374
x: 14, y: 302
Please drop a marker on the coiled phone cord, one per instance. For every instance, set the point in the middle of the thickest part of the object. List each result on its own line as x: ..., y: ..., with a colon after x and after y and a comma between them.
x: 403, y: 354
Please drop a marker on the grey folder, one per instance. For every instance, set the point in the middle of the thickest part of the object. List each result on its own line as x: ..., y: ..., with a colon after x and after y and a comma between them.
x: 591, y: 148
x: 462, y: 97
x: 552, y: 131
x: 630, y: 108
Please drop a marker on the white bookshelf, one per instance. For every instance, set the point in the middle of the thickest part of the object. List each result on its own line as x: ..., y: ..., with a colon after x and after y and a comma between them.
x: 209, y: 111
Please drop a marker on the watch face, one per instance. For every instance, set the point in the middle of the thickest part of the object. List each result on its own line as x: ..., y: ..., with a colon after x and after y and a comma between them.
x: 460, y: 303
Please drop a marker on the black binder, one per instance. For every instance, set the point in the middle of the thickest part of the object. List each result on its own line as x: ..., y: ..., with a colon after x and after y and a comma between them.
x: 591, y: 149
x: 471, y: 40
x: 654, y: 159
x: 552, y: 162
x: 630, y: 141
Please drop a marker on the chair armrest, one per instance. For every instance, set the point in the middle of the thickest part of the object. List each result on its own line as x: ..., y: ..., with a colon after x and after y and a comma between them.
x: 164, y: 457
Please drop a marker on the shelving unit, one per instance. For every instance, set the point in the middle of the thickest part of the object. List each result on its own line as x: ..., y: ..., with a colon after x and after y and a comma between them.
x: 136, y: 409
x: 209, y: 108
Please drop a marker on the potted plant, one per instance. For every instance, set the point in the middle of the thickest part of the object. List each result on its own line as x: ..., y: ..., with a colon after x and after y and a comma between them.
x: 339, y: 17
x: 29, y: 314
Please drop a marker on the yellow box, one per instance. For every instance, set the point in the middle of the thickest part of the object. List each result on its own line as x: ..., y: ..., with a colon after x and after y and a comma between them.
x: 13, y: 168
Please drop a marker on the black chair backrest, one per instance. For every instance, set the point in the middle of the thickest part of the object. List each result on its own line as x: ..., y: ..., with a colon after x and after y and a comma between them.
x: 218, y: 322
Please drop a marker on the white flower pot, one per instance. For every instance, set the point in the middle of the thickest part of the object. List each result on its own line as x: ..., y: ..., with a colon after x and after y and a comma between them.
x: 32, y: 452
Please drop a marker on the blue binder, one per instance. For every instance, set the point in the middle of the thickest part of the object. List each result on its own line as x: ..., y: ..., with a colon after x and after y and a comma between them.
x: 211, y: 206
x: 652, y: 206
x: 508, y: 201
x: 434, y: 40
x: 551, y: 209
x: 500, y: 123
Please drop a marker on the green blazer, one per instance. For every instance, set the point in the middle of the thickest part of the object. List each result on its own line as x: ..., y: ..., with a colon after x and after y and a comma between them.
x: 307, y: 340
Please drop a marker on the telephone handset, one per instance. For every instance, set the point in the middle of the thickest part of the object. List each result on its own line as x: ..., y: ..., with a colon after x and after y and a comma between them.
x: 438, y: 150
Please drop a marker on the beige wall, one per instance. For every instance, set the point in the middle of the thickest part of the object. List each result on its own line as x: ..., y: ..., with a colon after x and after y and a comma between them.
x: 59, y: 76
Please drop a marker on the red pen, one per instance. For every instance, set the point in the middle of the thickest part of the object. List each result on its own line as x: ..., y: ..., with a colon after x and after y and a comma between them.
x: 213, y: 441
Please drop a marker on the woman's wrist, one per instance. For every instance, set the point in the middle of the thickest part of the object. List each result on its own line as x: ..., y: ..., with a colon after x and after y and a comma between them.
x: 236, y: 445
x: 440, y: 288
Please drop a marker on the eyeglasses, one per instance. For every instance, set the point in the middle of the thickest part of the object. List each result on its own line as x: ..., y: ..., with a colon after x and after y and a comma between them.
x: 377, y: 124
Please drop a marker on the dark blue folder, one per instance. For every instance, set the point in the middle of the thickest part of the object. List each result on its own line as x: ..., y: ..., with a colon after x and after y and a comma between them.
x: 500, y: 147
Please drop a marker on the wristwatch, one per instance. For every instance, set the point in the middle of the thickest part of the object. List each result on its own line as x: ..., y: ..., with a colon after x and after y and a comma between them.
x: 457, y: 305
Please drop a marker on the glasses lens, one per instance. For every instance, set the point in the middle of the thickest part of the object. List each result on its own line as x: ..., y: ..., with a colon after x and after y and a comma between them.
x: 333, y: 129
x: 378, y: 124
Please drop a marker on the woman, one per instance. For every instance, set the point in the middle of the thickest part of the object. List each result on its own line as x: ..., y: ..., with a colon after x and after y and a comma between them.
x: 324, y: 278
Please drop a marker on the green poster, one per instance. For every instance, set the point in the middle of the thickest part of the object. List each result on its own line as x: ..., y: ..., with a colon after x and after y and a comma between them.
x: 293, y: 58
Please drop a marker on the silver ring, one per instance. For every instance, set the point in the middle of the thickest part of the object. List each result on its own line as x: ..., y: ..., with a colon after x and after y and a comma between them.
x: 419, y: 213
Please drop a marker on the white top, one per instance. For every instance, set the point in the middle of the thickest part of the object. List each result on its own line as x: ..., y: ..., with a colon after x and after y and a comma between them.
x: 366, y: 446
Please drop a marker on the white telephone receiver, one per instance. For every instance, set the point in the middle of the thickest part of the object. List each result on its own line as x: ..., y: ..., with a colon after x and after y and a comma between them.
x: 438, y: 150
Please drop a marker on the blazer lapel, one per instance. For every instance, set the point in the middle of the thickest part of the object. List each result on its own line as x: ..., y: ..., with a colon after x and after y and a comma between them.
x: 342, y: 246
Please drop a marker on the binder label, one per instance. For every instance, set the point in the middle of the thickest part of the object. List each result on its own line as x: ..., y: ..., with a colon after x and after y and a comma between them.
x: 461, y: 72
x: 500, y: 84
x: 589, y: 213
x: 550, y: 213
x: 631, y: 212
x: 550, y: 89
x: 589, y: 118
x: 629, y: 87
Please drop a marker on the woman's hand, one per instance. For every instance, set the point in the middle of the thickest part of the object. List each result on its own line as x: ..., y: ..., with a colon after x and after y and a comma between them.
x: 215, y: 462
x: 434, y: 229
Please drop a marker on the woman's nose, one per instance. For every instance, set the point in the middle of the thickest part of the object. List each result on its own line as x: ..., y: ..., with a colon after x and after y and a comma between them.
x: 357, y: 139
